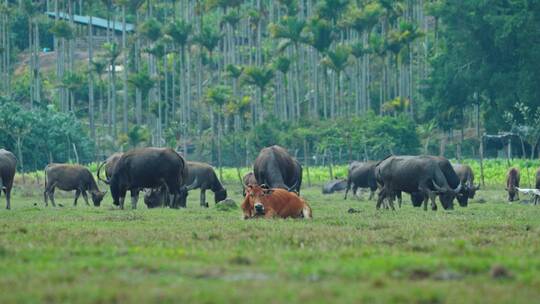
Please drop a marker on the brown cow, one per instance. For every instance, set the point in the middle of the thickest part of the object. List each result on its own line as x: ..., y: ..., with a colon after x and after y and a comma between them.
x: 269, y: 203
x: 512, y: 183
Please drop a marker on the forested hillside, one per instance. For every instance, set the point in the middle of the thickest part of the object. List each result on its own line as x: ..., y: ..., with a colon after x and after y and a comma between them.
x: 219, y: 79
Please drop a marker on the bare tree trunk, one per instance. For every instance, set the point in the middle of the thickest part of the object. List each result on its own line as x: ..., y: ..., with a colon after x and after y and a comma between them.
x: 91, y: 80
x: 125, y: 73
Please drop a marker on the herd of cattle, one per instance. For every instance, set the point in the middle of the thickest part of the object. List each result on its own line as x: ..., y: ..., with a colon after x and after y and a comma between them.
x: 271, y: 190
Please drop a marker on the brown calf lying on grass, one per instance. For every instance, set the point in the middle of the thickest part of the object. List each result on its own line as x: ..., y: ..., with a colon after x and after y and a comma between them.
x: 269, y: 203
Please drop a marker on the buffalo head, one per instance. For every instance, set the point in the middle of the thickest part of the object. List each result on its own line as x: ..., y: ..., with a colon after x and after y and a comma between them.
x: 220, y: 195
x: 97, y: 197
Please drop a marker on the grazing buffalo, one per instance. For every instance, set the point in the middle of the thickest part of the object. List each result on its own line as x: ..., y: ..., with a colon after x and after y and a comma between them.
x: 466, y: 176
x: 108, y: 165
x: 203, y: 176
x: 69, y: 177
x: 512, y: 183
x: 447, y: 199
x: 275, y: 168
x: 269, y: 203
x: 8, y: 165
x: 334, y: 186
x: 149, y: 168
x: 361, y: 175
x: 200, y: 176
x: 414, y: 174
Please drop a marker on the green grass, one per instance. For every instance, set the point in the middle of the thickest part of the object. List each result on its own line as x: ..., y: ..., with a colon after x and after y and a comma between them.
x: 88, y: 255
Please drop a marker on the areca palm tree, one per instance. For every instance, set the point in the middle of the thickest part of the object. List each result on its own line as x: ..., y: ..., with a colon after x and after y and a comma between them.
x: 99, y: 67
x: 337, y: 60
x: 112, y: 53
x: 319, y: 34
x: 259, y: 77
x: 209, y: 39
x: 283, y: 64
x: 217, y: 97
x: 289, y: 30
x: 64, y: 32
x: 32, y: 10
x: 180, y: 31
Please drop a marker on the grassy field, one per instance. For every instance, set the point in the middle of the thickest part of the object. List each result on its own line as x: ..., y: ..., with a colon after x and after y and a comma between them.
x: 488, y: 253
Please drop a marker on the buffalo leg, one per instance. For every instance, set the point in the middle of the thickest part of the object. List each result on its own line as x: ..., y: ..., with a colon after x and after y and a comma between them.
x: 399, y: 198
x: 46, y: 197
x: 8, y: 198
x: 203, y: 198
x: 134, y: 198
x: 381, y: 197
x: 346, y: 191
x: 427, y: 195
x: 85, y: 197
x: 355, y: 192
x: 391, y: 202
x: 77, y: 194
x: 51, y: 196
x: 49, y: 193
x: 432, y: 198
x: 372, y: 194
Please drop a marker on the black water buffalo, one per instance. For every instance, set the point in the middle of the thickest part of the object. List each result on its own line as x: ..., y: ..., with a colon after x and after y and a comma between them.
x: 149, y: 168
x: 8, y: 165
x: 334, y: 186
x: 512, y: 183
x: 248, y: 179
x: 200, y: 176
x: 275, y: 168
x: 361, y: 175
x: 453, y: 181
x: 108, y: 165
x: 203, y: 176
x: 466, y: 176
x: 414, y: 174
x: 69, y: 177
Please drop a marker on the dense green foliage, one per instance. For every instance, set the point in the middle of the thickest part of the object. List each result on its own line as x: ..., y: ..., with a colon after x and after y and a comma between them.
x: 225, y: 78
x: 42, y: 136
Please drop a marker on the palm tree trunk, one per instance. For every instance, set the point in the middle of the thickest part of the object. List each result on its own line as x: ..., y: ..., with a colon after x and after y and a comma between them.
x: 91, y: 80
x: 124, y: 74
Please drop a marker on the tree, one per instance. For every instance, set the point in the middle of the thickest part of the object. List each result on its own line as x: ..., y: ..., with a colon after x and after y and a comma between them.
x: 259, y: 77
x: 217, y: 97
x: 337, y: 60
x: 112, y: 54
